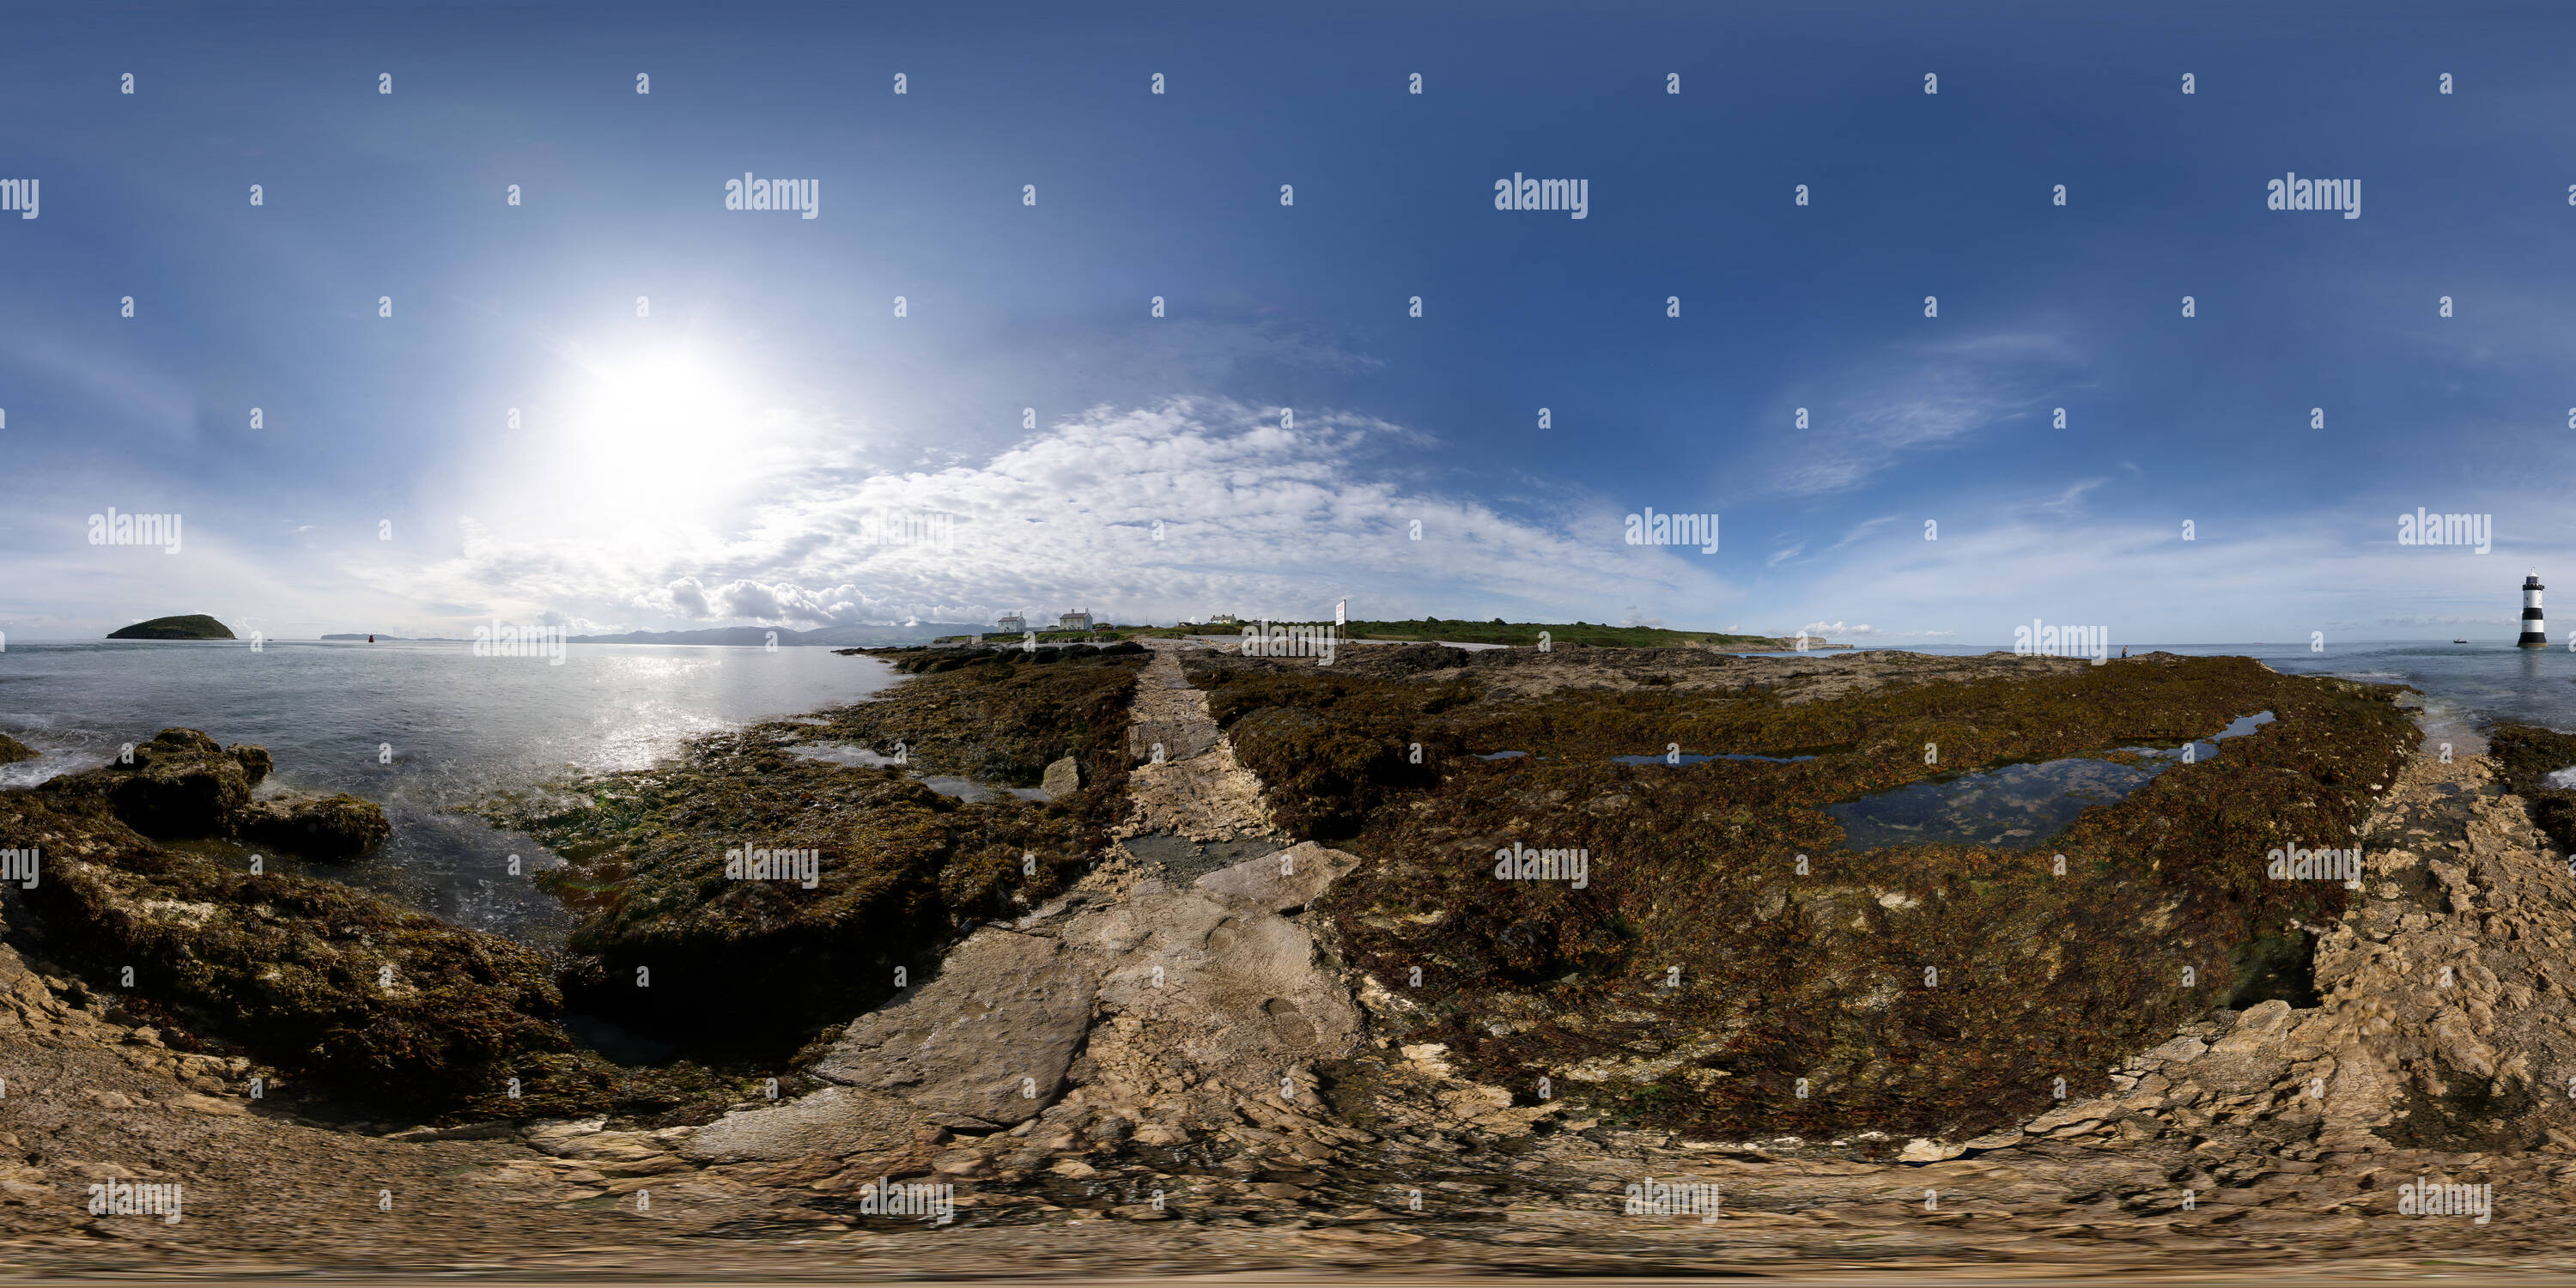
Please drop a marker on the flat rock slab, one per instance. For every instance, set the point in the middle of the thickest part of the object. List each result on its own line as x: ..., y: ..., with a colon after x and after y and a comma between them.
x: 1209, y: 984
x: 1281, y: 882
x: 834, y: 1121
x: 1179, y: 739
x: 988, y: 1039
x: 1183, y: 860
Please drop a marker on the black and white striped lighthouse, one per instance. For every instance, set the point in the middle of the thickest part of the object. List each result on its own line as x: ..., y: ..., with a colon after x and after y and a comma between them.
x: 2534, y: 634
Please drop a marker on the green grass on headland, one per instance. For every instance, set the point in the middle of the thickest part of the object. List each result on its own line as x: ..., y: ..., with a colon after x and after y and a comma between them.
x: 1498, y: 631
x: 189, y: 626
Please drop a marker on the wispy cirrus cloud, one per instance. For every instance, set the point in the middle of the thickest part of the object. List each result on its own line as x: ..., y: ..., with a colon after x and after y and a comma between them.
x: 1918, y: 399
x: 2072, y: 499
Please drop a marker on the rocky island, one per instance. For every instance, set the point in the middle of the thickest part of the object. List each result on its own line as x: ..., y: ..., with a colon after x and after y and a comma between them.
x: 191, y: 626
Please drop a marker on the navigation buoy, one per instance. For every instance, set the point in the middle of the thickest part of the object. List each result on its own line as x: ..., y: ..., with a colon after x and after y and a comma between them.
x: 2534, y: 633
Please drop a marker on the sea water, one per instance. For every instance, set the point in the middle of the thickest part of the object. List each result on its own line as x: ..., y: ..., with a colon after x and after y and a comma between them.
x: 418, y: 728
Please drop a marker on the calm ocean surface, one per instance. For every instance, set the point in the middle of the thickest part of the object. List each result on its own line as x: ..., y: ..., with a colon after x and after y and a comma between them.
x: 463, y: 727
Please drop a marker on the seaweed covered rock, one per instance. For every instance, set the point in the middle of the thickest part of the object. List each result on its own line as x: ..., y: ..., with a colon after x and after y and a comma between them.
x: 1000, y: 715
x: 184, y: 785
x: 321, y: 981
x: 12, y: 751
x: 1693, y: 946
x: 179, y: 784
x: 2535, y: 764
x: 1331, y: 747
x: 766, y: 894
x: 1323, y: 774
x: 339, y: 826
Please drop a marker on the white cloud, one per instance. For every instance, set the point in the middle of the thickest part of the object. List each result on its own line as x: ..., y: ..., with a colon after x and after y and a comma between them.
x: 1863, y: 529
x: 1933, y: 396
x: 2072, y: 499
x: 1253, y: 519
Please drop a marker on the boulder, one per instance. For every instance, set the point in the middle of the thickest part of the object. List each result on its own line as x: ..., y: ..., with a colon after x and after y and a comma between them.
x: 340, y: 826
x: 180, y: 784
x: 183, y: 784
x: 1063, y: 778
x: 314, y: 977
x: 12, y: 751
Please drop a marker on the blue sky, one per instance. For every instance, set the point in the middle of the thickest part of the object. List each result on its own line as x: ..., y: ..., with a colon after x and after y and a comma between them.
x: 739, y: 455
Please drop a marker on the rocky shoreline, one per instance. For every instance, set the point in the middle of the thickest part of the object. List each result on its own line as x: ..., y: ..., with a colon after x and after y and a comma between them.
x: 1180, y: 996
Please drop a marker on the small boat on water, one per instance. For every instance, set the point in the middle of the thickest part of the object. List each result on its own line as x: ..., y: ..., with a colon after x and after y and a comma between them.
x: 2459, y: 641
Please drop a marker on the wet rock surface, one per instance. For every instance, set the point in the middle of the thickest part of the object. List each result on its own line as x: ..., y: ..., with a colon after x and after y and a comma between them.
x: 315, y: 978
x: 182, y: 784
x: 339, y: 826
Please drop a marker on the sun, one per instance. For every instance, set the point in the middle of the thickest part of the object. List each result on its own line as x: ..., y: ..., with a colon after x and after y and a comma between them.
x: 666, y: 429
